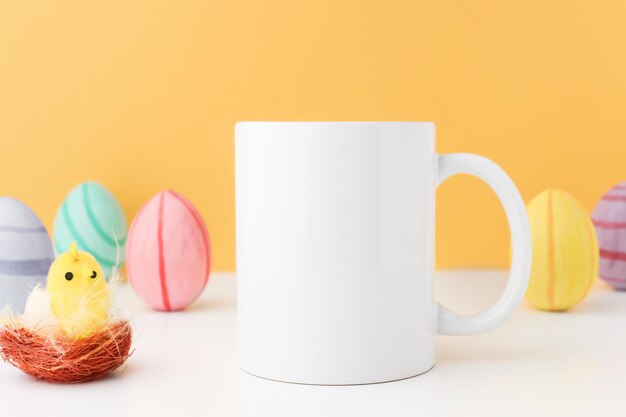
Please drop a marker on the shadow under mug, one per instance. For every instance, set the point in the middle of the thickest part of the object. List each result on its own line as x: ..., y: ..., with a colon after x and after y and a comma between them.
x: 335, y: 249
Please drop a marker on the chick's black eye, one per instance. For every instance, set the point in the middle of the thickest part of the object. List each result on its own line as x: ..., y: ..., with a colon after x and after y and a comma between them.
x: 95, y: 274
x: 69, y: 276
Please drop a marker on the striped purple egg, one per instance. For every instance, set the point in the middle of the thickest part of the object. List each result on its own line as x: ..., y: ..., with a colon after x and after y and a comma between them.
x: 609, y: 219
x: 25, y: 253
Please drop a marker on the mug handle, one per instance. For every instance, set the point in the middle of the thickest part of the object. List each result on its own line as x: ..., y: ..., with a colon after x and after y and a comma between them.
x: 450, y: 323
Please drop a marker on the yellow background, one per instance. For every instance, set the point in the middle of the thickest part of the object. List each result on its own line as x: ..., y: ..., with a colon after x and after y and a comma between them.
x: 143, y: 95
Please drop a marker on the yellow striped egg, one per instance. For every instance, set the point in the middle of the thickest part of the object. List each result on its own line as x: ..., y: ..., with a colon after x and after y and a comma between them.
x: 565, y: 251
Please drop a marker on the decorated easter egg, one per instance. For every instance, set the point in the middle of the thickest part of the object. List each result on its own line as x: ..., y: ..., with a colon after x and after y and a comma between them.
x: 609, y: 219
x: 25, y: 253
x: 91, y: 216
x: 168, y: 252
x: 565, y: 251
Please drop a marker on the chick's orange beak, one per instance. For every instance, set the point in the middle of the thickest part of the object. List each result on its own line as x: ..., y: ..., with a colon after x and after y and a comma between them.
x: 86, y: 272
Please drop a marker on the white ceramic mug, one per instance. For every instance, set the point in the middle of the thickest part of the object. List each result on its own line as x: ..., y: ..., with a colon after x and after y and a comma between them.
x: 335, y: 249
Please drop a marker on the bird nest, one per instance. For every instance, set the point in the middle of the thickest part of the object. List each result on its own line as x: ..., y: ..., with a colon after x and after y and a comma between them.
x: 66, y: 360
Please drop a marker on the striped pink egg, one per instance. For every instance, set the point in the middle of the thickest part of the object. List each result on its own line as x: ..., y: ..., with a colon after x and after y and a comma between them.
x: 168, y: 252
x: 609, y: 219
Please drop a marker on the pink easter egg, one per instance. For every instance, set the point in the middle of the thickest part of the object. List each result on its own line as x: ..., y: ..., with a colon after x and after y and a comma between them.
x: 609, y: 219
x: 168, y: 252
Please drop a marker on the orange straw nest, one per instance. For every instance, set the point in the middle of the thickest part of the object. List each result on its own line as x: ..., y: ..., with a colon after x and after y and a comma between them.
x: 63, y: 359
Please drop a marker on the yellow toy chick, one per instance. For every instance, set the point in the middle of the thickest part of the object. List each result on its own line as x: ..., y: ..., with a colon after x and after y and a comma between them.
x: 79, y: 295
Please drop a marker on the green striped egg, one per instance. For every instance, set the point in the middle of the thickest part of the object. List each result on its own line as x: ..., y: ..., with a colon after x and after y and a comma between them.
x: 91, y: 216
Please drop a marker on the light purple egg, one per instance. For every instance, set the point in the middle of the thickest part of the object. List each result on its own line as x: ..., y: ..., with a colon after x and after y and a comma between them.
x: 609, y: 219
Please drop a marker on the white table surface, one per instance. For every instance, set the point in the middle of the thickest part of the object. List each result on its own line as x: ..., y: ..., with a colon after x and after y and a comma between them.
x: 537, y: 364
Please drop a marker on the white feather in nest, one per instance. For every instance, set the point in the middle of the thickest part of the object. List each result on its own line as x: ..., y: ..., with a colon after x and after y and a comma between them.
x: 115, y: 312
x: 38, y: 315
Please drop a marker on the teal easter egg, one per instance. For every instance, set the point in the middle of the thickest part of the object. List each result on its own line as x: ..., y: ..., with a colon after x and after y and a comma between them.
x: 25, y: 253
x: 91, y: 216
